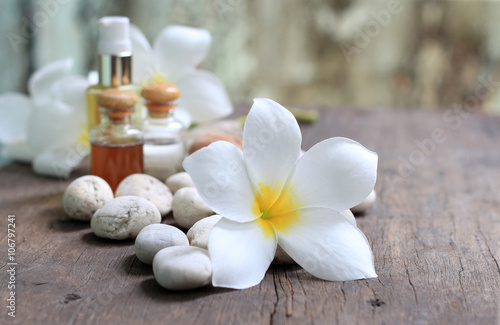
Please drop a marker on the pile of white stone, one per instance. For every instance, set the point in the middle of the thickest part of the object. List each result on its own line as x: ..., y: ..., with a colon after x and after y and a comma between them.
x: 180, y: 260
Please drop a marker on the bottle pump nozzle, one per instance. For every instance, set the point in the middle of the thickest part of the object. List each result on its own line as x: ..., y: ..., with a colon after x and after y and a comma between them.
x: 114, y: 35
x: 115, y: 51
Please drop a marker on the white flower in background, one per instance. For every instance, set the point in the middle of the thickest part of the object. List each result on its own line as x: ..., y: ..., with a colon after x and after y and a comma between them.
x: 175, y: 57
x: 48, y: 127
x: 269, y: 195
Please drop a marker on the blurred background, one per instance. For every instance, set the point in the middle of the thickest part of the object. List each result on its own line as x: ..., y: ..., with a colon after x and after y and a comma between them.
x: 351, y: 53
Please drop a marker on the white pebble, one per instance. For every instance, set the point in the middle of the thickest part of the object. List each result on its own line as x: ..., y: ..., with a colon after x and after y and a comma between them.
x: 182, y: 267
x: 153, y: 238
x: 85, y: 195
x: 198, y: 233
x: 366, y: 203
x: 230, y: 127
x: 178, y: 181
x: 188, y: 207
x: 147, y: 187
x: 124, y: 217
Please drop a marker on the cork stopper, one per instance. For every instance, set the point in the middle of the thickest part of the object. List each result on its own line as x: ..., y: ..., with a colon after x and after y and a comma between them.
x: 115, y: 98
x: 119, y: 102
x: 160, y: 92
x: 160, y: 98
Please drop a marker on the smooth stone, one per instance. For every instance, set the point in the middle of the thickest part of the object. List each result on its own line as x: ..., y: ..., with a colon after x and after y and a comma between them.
x: 182, y: 267
x: 188, y: 207
x: 149, y: 188
x: 208, y: 138
x: 178, y: 181
x: 85, y: 195
x: 231, y: 127
x: 366, y: 203
x: 198, y: 233
x: 153, y: 238
x: 124, y: 217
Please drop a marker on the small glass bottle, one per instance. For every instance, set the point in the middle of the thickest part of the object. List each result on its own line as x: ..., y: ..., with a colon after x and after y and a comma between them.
x: 116, y: 145
x: 164, y: 148
x: 114, y: 65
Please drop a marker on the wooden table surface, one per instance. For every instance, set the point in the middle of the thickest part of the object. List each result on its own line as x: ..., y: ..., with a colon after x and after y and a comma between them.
x: 434, y: 231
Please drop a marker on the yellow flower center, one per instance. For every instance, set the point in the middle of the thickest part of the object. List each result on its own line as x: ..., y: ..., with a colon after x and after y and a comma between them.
x: 83, y: 137
x: 158, y: 77
x: 276, y: 207
x: 155, y: 76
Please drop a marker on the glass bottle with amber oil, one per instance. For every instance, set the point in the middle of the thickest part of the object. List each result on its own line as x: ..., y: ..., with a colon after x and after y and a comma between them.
x: 164, y: 148
x: 114, y: 65
x: 116, y: 145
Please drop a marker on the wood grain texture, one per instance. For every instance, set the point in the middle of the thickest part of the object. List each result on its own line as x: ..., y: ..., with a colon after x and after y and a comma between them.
x: 434, y: 231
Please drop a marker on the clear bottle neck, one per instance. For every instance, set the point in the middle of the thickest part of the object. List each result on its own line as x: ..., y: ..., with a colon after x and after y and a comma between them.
x: 160, y: 118
x: 116, y: 128
x: 163, y: 130
x: 117, y: 118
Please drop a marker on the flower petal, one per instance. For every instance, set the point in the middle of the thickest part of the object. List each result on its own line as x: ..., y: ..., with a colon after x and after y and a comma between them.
x: 183, y: 116
x: 336, y: 173
x: 143, y: 66
x: 71, y: 90
x: 328, y: 246
x: 14, y: 111
x: 220, y: 177
x: 271, y: 143
x: 54, y: 123
x: 349, y: 216
x: 19, y: 151
x: 241, y: 252
x: 59, y: 161
x: 179, y: 49
x: 4, y: 158
x: 40, y: 82
x: 203, y: 95
x: 93, y: 77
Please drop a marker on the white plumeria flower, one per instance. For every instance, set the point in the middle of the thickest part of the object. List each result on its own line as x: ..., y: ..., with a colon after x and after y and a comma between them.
x: 176, y: 54
x: 48, y: 127
x: 270, y: 195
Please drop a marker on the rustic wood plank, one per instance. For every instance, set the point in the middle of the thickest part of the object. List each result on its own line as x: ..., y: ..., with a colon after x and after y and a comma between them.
x: 434, y: 231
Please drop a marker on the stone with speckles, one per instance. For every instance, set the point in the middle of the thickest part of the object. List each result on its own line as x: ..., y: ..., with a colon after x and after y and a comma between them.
x: 124, y: 217
x: 149, y: 188
x: 85, y: 195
